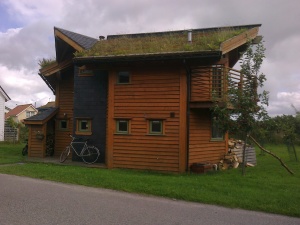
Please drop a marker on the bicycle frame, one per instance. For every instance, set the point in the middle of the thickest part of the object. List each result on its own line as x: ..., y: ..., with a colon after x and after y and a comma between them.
x: 88, y: 153
x: 78, y: 142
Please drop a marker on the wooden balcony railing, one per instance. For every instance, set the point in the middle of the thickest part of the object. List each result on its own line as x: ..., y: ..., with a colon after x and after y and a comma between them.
x: 211, y: 83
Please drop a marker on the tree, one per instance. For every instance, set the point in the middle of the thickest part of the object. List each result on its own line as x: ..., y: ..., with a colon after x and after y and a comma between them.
x: 241, y: 109
x: 245, y: 105
x: 17, y: 126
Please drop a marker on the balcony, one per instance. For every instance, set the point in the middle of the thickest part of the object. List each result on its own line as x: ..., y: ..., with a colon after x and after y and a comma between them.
x: 211, y: 83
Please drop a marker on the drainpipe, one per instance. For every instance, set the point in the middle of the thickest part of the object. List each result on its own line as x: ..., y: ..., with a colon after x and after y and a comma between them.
x: 188, y: 74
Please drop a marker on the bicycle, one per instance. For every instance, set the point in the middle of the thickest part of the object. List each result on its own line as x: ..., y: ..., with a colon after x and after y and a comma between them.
x: 25, y: 149
x: 89, y: 154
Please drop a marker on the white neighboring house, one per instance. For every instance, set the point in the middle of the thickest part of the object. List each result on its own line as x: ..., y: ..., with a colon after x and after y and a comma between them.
x: 3, y: 98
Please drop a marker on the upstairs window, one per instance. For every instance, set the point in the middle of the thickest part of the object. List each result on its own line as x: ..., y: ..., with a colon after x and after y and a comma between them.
x: 29, y: 113
x: 123, y: 77
x: 122, y: 126
x: 217, y: 72
x: 83, y: 126
x: 83, y: 71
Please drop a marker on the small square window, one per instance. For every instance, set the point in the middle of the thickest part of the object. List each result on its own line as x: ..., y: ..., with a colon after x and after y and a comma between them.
x: 83, y: 71
x: 84, y: 126
x: 29, y: 114
x: 123, y: 77
x: 122, y: 126
x: 63, y: 124
x: 156, y: 127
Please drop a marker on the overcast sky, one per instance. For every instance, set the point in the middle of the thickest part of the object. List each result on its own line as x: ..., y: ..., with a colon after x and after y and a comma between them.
x: 26, y: 35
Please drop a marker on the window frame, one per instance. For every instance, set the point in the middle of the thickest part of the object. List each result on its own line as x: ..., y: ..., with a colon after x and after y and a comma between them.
x: 216, y: 131
x: 60, y: 124
x: 119, y: 73
x: 29, y: 114
x: 79, y: 130
x: 84, y: 72
x: 150, y: 126
x: 118, y: 131
x: 217, y: 81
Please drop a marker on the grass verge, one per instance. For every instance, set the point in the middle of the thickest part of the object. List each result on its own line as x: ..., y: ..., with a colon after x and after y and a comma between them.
x: 11, y: 153
x: 267, y: 187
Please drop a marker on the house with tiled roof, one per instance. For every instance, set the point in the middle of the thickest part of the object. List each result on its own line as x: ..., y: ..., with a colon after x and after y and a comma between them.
x: 3, y: 98
x: 21, y: 112
x: 142, y: 99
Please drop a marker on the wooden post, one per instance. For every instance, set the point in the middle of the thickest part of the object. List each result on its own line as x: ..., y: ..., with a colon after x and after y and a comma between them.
x: 183, y: 123
x: 110, y: 120
x: 244, y: 155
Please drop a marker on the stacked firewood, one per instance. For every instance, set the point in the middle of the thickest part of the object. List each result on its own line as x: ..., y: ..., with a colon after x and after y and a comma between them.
x: 230, y: 160
x: 234, y: 157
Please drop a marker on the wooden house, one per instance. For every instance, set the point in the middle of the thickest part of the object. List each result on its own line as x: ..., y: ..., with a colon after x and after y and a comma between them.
x: 144, y: 99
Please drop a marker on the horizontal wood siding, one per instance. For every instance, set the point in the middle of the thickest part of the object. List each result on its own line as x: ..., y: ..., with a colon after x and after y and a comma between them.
x: 36, y: 147
x: 201, y: 84
x: 65, y: 99
x: 201, y: 147
x: 152, y: 93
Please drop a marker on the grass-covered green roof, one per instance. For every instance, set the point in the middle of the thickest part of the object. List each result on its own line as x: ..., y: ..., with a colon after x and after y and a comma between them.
x: 46, y: 62
x: 163, y: 43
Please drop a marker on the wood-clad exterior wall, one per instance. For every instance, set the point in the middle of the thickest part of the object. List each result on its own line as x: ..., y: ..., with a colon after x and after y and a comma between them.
x: 209, y: 81
x: 202, y: 148
x: 37, y: 147
x: 153, y: 93
x: 65, y: 102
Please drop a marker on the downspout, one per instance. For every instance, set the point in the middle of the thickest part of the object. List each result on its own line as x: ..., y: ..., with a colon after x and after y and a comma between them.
x: 188, y: 74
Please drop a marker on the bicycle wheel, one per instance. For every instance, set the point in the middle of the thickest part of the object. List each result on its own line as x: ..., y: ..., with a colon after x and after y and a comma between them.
x: 64, y: 155
x: 90, y: 154
x: 25, y: 150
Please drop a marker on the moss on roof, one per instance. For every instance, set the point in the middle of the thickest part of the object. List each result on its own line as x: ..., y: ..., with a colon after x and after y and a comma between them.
x: 46, y: 62
x: 163, y: 43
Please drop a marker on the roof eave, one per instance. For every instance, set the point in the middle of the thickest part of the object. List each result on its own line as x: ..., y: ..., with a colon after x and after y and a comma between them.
x: 6, y: 97
x: 149, y: 56
x: 41, y: 122
x: 239, y: 40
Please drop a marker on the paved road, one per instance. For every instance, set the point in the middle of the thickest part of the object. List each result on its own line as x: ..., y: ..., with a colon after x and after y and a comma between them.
x: 32, y: 201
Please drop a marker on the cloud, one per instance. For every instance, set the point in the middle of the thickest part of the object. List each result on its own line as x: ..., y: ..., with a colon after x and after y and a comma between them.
x: 31, y: 11
x: 23, y: 47
x: 18, y: 84
x: 31, y: 23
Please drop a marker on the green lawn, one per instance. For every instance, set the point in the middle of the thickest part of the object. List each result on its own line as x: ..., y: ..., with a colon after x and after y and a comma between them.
x: 11, y: 153
x: 267, y: 187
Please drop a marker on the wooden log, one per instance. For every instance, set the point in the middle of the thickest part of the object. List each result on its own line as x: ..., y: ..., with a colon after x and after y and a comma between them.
x: 225, y: 166
x: 236, y: 164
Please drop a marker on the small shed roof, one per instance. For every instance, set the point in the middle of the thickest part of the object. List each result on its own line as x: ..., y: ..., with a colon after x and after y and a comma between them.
x: 42, y: 117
